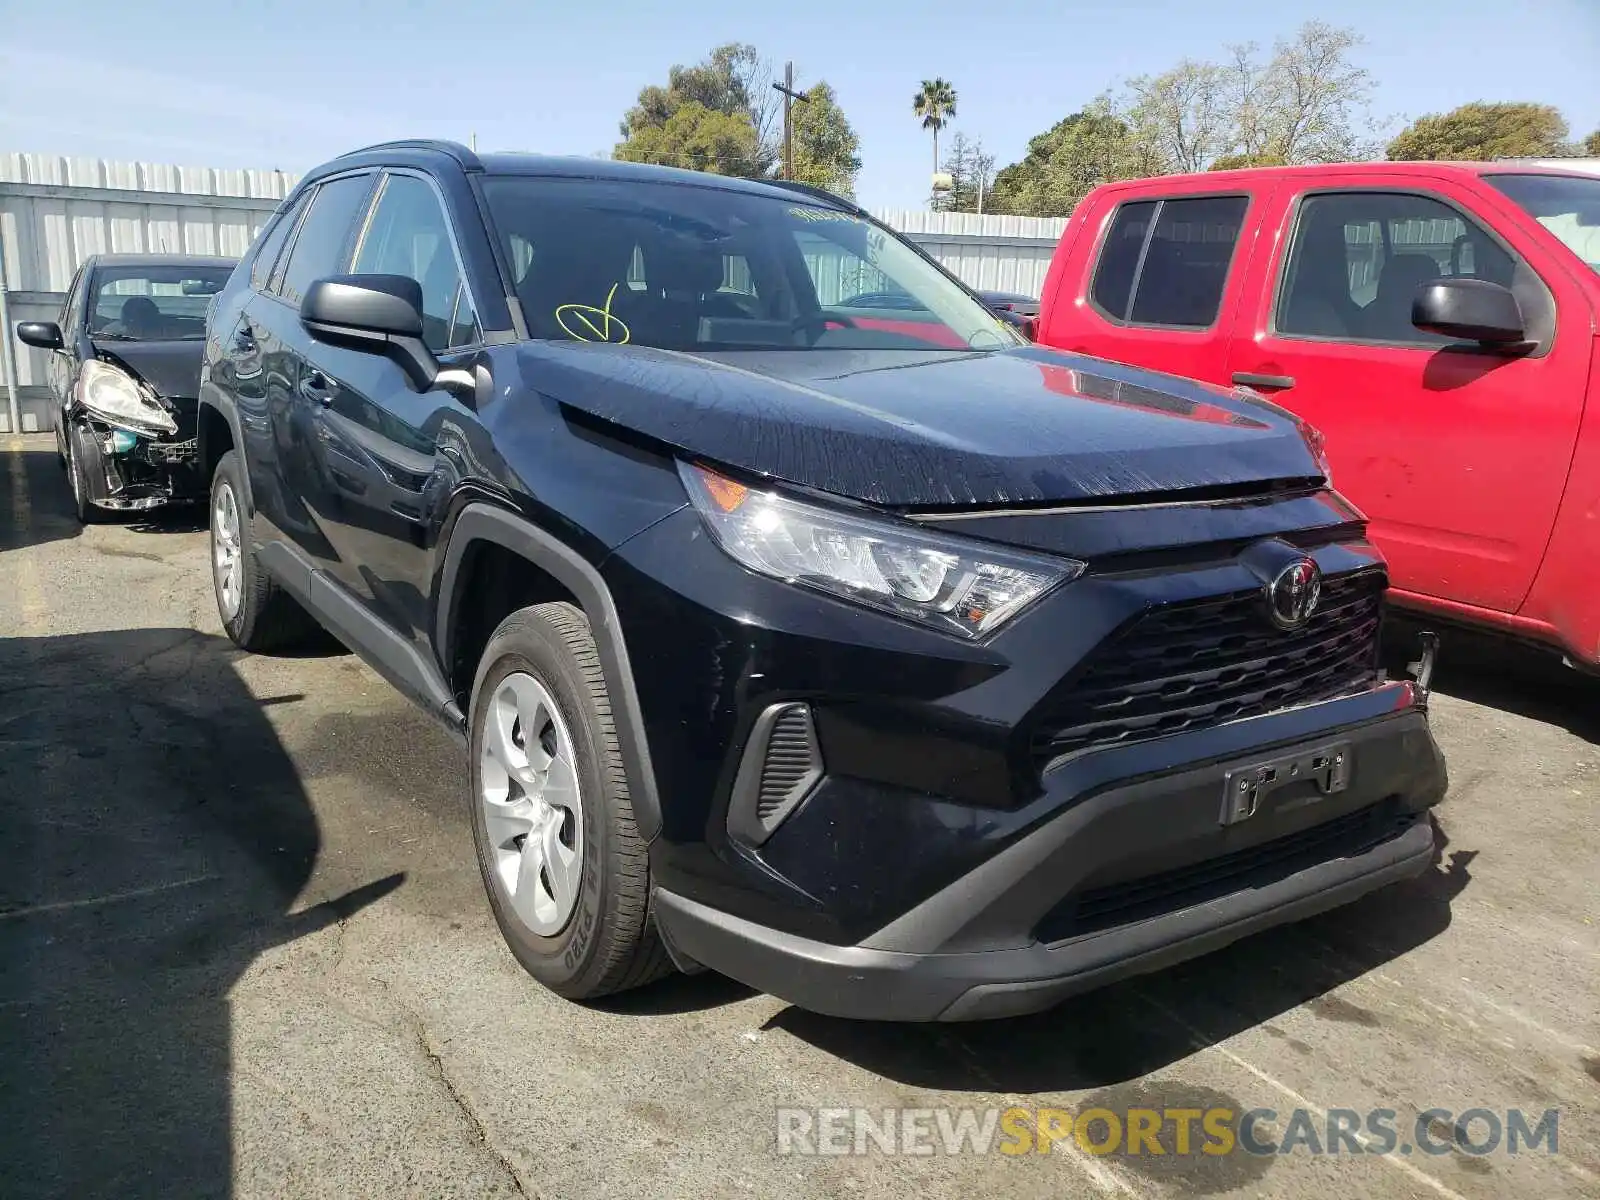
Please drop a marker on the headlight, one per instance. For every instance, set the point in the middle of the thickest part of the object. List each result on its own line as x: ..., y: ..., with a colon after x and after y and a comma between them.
x: 116, y: 398
x: 955, y: 584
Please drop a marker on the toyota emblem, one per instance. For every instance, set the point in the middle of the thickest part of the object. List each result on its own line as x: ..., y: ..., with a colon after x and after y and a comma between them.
x: 1293, y: 594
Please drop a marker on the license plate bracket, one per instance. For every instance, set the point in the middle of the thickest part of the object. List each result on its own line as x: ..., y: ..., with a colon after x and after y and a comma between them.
x: 1246, y: 789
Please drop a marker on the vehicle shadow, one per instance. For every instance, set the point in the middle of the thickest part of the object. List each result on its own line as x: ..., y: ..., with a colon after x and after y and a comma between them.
x: 156, y: 836
x: 1497, y: 672
x: 1119, y: 1034
x: 35, y: 497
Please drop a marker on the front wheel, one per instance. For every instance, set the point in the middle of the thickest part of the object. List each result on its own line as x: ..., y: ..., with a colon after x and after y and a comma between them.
x: 567, y: 874
x: 84, y: 473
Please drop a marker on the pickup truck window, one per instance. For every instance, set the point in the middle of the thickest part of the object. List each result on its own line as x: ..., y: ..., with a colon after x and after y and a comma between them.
x: 1358, y: 258
x: 1165, y: 262
x: 1567, y: 206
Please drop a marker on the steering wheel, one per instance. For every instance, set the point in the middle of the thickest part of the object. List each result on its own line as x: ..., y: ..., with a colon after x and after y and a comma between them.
x: 821, y: 320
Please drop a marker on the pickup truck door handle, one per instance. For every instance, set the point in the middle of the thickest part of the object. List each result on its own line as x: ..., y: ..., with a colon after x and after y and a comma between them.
x: 1251, y: 379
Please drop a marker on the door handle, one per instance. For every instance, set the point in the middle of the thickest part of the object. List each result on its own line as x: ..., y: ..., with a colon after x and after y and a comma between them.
x: 316, y: 386
x: 1251, y: 379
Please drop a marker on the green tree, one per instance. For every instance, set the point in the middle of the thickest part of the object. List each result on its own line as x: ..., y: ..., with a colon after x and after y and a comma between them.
x: 722, y: 115
x: 1482, y: 131
x: 697, y: 138
x: 934, y: 104
x: 1080, y: 152
x: 695, y: 121
x: 825, y: 146
x: 971, y: 172
x: 1591, y: 144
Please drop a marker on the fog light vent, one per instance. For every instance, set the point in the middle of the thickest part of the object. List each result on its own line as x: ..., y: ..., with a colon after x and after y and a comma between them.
x: 781, y: 764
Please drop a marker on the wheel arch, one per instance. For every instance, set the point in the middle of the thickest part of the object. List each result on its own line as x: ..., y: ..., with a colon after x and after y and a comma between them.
x: 479, y: 524
x: 217, y: 432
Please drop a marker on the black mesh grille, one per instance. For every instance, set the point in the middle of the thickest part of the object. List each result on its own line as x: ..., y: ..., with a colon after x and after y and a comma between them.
x: 1189, y: 665
x: 1257, y: 866
x: 792, y: 760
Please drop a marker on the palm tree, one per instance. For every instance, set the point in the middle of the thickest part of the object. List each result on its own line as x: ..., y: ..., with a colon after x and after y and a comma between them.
x: 935, y: 103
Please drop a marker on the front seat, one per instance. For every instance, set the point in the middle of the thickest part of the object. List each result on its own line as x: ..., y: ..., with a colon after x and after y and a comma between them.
x: 140, y: 317
x: 1388, y: 317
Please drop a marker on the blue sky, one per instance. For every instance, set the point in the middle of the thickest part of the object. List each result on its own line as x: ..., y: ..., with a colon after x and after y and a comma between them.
x: 287, y: 83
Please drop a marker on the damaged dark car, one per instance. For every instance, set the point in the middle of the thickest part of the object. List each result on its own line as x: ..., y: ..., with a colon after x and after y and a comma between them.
x: 124, y: 375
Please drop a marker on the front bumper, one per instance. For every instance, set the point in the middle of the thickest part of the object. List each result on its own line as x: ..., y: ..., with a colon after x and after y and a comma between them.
x: 1126, y: 877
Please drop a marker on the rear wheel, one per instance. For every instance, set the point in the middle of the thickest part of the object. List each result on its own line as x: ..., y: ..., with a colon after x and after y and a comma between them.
x: 256, y: 613
x: 567, y: 874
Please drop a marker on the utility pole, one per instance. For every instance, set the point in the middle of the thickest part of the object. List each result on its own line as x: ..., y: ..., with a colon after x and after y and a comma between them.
x: 789, y: 97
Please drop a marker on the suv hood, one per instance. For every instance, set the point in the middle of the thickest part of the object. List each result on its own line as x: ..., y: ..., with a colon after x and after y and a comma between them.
x: 919, y: 429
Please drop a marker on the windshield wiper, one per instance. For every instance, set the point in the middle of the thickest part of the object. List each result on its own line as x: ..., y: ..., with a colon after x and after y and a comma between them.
x: 113, y: 337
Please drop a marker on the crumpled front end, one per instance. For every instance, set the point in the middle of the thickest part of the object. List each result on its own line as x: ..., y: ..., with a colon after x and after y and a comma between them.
x: 142, y: 446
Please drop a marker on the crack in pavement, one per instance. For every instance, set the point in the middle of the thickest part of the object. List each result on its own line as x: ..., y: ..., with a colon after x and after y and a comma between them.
x: 425, y: 1044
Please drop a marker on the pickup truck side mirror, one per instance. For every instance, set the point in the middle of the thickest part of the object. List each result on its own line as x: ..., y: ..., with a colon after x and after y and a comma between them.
x: 379, y: 314
x: 1473, y: 310
x: 1027, y: 326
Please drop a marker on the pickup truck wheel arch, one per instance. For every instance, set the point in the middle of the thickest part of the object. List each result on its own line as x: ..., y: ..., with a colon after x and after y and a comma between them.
x: 484, y: 523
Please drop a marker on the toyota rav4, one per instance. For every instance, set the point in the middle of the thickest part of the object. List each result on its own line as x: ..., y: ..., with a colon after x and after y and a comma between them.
x: 869, y: 655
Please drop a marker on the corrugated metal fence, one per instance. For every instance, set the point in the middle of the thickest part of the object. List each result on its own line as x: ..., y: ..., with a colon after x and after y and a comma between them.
x: 55, y: 212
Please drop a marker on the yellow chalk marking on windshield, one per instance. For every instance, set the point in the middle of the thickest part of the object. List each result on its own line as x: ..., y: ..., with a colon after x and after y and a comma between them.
x: 596, y: 333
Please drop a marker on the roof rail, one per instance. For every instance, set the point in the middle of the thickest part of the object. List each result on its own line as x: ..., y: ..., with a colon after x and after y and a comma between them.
x: 821, y: 193
x: 469, y: 161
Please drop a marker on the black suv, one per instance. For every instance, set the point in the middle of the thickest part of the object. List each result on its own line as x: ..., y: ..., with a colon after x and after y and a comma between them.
x: 874, y: 657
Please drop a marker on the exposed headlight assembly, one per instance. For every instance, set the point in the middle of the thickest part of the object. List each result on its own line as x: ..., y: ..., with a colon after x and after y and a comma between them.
x: 958, y: 585
x: 117, y: 398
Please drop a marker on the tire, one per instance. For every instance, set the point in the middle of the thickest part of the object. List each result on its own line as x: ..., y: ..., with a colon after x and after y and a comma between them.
x: 607, y: 940
x: 256, y: 613
x: 81, y: 451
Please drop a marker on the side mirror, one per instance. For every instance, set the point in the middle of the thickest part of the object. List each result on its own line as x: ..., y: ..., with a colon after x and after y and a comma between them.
x: 1473, y: 310
x: 378, y: 314
x: 1027, y: 326
x: 46, y: 335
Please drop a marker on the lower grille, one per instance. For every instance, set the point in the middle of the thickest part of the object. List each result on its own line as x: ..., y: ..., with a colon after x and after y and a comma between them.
x: 792, y: 764
x: 1189, y: 665
x: 1257, y: 866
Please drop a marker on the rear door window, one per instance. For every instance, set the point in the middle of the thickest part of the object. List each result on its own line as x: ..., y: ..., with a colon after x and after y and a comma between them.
x: 1165, y: 263
x: 271, y: 245
x: 321, y: 247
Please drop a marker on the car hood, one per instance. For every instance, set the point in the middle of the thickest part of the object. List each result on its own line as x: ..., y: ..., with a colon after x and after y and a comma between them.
x: 935, y: 429
x: 172, y: 369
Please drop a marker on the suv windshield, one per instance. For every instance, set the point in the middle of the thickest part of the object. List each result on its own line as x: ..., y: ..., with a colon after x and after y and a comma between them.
x: 1566, y: 205
x: 153, y: 304
x: 704, y: 268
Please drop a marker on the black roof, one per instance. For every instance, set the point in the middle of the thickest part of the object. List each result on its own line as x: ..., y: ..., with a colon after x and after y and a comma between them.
x: 416, y: 150
x: 161, y: 260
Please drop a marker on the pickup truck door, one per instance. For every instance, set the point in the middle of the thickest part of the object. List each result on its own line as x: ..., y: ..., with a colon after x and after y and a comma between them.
x: 1155, y: 278
x: 1458, y: 456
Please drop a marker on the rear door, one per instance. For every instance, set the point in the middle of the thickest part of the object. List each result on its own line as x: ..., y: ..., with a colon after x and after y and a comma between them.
x: 1459, y: 456
x: 303, y: 479
x: 1160, y: 281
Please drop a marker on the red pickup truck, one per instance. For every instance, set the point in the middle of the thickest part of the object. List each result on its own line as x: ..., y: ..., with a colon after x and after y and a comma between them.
x: 1436, y: 321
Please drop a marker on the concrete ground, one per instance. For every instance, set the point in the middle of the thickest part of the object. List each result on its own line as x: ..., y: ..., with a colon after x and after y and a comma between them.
x: 244, y: 950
